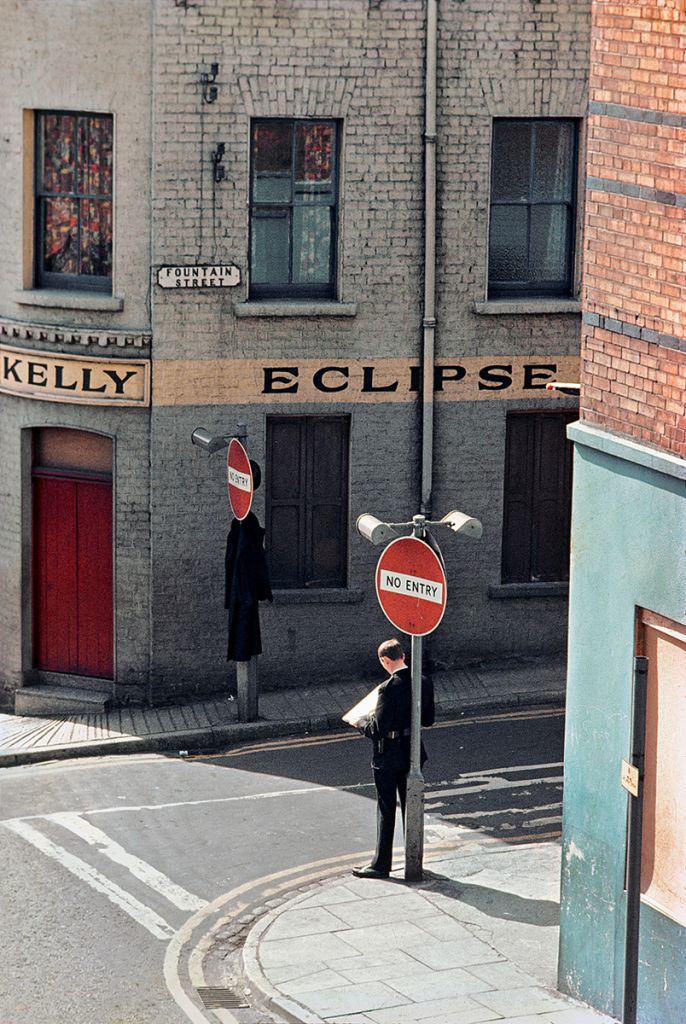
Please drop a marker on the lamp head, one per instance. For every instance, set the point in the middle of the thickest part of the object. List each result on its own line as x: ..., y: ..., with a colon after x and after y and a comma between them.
x: 459, y: 522
x: 209, y: 442
x: 372, y: 529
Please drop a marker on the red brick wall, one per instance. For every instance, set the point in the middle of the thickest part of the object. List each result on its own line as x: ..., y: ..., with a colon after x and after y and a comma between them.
x: 634, y: 295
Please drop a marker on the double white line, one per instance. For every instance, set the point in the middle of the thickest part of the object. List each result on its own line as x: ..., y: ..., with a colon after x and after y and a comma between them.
x: 141, y: 870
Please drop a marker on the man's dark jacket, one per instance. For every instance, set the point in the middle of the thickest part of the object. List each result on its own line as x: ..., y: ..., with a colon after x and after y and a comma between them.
x: 246, y: 583
x: 393, y: 714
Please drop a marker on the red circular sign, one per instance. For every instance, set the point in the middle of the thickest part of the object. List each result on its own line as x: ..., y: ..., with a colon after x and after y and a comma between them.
x: 239, y: 479
x: 411, y: 586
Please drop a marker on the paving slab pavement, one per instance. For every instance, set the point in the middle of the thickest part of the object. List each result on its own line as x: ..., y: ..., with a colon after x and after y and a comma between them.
x: 206, y: 724
x: 475, y: 941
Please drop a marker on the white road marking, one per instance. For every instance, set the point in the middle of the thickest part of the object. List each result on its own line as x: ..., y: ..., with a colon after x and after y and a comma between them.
x: 496, y: 813
x: 199, y: 803
x: 141, y: 870
x: 490, y: 785
x: 155, y: 924
x: 514, y: 768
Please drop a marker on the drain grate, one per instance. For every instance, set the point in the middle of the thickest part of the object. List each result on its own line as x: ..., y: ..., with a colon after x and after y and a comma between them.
x: 221, y: 999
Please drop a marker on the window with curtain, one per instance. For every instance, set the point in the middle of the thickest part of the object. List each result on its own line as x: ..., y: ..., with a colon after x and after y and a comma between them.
x: 74, y: 201
x: 293, y: 208
x: 533, y: 185
x: 307, y: 500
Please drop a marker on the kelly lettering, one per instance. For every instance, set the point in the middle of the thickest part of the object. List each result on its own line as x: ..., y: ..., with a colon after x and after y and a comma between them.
x: 319, y: 383
x: 86, y: 382
x: 274, y: 375
x: 446, y: 373
x: 415, y: 378
x: 59, y: 380
x: 119, y: 381
x: 490, y: 380
x: 368, y: 381
x: 37, y: 374
x: 10, y: 369
x: 531, y: 374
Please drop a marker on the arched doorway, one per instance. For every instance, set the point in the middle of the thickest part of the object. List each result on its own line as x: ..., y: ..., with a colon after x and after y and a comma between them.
x: 72, y: 553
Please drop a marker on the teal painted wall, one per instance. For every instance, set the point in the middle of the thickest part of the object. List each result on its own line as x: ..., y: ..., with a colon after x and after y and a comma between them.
x: 628, y: 551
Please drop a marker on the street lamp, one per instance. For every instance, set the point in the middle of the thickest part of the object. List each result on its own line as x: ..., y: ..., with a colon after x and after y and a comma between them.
x: 373, y: 530
x: 564, y: 387
x: 378, y: 532
x: 212, y: 443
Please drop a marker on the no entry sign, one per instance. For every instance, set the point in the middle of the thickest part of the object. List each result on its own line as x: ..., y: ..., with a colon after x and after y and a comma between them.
x: 411, y: 586
x: 239, y: 479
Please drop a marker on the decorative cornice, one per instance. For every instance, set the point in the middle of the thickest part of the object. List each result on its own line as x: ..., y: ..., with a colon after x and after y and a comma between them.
x: 58, y: 334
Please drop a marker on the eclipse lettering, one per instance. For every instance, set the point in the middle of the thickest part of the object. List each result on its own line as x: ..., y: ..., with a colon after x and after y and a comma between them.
x: 448, y: 379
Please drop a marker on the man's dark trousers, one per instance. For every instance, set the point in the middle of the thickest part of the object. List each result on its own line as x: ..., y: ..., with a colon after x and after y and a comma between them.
x: 391, y: 783
x: 389, y: 728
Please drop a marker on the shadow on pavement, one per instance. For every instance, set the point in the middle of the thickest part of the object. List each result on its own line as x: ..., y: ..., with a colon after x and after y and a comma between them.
x: 496, y: 902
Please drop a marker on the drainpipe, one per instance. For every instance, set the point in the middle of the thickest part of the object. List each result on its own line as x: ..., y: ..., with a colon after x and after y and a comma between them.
x: 429, y: 318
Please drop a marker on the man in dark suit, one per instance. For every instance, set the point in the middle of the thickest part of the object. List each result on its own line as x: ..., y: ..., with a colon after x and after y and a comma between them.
x: 389, y: 728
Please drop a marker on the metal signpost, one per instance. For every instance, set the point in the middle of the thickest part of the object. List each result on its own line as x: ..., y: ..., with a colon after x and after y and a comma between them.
x: 240, y: 486
x: 412, y: 591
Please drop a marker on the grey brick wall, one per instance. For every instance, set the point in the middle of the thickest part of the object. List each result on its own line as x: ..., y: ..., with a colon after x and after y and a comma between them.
x: 77, y: 55
x: 362, y: 64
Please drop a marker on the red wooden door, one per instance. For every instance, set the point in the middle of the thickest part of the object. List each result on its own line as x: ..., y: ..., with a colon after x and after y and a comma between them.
x: 72, y: 574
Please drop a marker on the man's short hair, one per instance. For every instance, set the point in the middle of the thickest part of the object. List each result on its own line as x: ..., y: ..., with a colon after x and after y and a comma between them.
x: 391, y: 649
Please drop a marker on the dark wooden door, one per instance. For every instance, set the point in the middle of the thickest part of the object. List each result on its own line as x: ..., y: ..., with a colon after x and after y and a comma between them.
x: 537, y: 499
x: 72, y: 574
x: 307, y: 500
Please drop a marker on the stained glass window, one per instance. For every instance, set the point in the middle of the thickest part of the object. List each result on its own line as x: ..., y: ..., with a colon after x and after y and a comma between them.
x: 74, y: 200
x: 293, y: 208
x: 533, y: 182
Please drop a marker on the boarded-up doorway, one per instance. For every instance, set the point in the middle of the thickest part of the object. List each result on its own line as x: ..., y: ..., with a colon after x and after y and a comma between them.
x: 72, y: 553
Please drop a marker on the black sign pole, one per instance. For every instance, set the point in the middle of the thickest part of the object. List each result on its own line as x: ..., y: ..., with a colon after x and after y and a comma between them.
x: 634, y: 841
x: 414, y: 804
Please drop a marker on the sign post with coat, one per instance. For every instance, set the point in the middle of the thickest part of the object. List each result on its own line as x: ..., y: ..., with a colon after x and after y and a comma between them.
x: 246, y: 576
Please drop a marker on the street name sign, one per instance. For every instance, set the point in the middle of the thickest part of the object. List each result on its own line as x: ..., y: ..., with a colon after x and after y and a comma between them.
x: 240, y: 482
x: 220, y: 275
x: 411, y: 586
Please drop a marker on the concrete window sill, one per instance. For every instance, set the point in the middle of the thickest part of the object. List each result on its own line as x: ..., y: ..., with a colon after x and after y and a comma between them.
x: 495, y: 307
x: 321, y: 595
x: 54, y: 299
x: 500, y: 591
x: 247, y: 309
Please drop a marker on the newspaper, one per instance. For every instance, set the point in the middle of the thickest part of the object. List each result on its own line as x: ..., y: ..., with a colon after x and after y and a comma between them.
x: 362, y: 709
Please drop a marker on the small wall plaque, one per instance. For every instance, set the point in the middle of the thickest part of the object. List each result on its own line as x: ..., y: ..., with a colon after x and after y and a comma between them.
x: 629, y: 778
x: 219, y: 275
